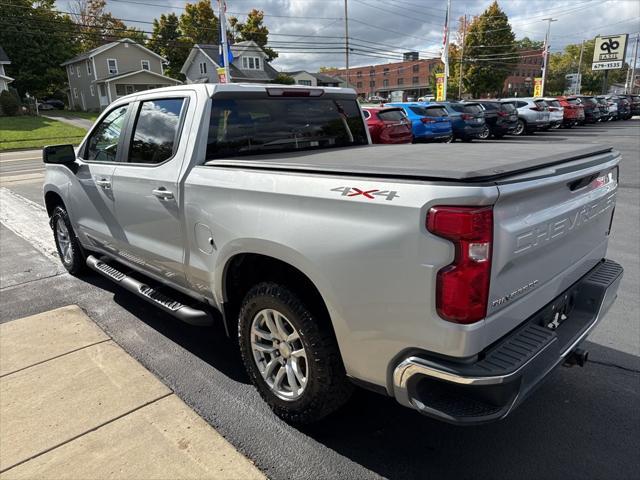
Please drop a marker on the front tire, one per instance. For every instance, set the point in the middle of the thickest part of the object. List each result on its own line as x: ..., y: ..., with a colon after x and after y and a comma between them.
x: 291, y: 355
x: 69, y: 249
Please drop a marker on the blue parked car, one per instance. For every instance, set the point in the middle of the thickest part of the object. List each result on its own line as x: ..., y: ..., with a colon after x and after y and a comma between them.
x: 467, y: 119
x: 428, y: 122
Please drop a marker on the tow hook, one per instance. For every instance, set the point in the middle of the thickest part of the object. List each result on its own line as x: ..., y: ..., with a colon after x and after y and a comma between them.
x: 576, y: 357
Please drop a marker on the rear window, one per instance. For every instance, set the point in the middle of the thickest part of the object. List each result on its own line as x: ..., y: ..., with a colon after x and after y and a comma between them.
x: 573, y: 101
x: 429, y: 111
x: 490, y: 106
x: 540, y: 104
x: 241, y: 126
x: 395, y: 115
x: 472, y: 108
x: 509, y: 107
x: 553, y: 103
x: 457, y: 107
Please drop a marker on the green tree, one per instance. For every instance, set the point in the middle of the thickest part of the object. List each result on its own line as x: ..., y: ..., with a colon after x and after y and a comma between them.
x: 527, y: 44
x: 37, y: 40
x: 199, y: 24
x: 253, y: 29
x: 566, y: 62
x: 284, y: 79
x: 166, y: 40
x: 96, y: 26
x: 490, y: 52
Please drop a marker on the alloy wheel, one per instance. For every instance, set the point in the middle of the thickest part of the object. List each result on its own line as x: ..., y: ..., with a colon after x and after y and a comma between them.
x: 279, y: 354
x: 64, y: 241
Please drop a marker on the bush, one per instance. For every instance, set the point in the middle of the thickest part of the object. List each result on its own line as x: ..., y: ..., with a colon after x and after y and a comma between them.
x: 9, y: 104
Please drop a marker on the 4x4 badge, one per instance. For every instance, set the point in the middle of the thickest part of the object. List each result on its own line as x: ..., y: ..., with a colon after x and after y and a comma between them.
x: 370, y: 194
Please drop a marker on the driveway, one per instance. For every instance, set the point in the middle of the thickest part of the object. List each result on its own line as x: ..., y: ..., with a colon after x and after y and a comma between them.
x: 75, y: 121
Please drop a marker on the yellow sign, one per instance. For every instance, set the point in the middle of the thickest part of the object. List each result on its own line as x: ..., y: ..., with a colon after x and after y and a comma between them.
x: 537, y: 87
x: 222, y: 77
x: 439, y: 87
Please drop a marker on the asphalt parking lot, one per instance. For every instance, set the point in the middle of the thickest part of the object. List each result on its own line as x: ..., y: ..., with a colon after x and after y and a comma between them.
x: 582, y: 423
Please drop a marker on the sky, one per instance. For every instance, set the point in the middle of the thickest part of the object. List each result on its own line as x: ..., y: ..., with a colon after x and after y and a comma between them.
x: 309, y: 34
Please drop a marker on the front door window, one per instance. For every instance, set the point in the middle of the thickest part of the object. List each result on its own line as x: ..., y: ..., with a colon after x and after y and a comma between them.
x: 102, y: 145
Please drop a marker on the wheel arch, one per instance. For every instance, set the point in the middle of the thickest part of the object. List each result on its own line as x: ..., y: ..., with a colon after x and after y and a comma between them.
x: 52, y: 199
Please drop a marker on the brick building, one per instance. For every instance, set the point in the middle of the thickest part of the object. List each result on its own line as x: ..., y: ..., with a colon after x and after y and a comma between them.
x: 520, y: 82
x: 411, y: 76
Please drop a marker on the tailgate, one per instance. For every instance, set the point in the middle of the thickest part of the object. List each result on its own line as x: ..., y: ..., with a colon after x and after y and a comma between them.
x: 548, y: 232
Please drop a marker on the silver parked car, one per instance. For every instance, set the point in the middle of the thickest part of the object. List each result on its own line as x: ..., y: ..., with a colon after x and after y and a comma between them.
x: 533, y: 114
x: 556, y: 111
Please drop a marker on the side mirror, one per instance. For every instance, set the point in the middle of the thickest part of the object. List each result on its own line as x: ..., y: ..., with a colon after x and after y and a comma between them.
x: 59, y: 154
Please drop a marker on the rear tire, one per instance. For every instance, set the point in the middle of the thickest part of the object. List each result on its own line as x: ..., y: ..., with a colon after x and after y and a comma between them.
x: 70, y: 251
x: 291, y: 355
x: 485, y: 134
x: 521, y: 128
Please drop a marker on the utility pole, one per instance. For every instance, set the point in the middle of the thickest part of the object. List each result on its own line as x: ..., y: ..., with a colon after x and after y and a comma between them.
x: 546, y: 53
x: 222, y: 10
x: 633, y: 69
x: 445, y: 52
x: 579, y: 82
x: 346, y: 40
x: 464, y: 34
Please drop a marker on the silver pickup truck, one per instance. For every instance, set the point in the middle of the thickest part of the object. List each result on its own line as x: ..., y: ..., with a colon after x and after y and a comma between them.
x: 452, y: 278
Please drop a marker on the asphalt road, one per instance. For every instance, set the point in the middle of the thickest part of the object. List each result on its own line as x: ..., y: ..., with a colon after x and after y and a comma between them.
x: 581, y: 423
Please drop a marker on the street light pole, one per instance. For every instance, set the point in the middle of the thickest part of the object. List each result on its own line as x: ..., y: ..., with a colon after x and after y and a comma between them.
x: 346, y: 40
x: 445, y: 53
x: 579, y: 82
x: 633, y: 69
x: 546, y: 53
x: 464, y: 33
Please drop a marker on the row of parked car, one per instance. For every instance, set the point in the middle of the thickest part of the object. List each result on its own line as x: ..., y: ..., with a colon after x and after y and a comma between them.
x: 406, y: 122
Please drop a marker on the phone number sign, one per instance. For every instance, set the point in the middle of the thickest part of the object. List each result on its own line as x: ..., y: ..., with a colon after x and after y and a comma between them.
x: 609, y: 52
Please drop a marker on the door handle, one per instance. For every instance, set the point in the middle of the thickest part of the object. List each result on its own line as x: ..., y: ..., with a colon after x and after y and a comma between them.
x: 104, y: 183
x: 162, y: 193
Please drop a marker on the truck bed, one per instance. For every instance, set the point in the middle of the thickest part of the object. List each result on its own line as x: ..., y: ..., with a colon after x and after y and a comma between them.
x: 444, y: 162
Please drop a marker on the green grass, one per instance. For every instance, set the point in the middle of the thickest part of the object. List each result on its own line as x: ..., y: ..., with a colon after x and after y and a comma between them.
x: 36, y: 132
x: 71, y: 113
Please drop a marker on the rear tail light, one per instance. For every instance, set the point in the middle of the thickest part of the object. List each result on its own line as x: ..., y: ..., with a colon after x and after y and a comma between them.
x: 294, y: 92
x: 427, y: 120
x: 462, y: 288
x: 503, y: 114
x: 466, y: 116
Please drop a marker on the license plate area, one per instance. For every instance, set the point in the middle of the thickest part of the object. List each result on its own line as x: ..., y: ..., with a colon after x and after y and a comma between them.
x: 558, y: 311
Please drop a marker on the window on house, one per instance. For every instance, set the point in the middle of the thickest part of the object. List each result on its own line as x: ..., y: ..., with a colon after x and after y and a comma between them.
x: 359, y: 73
x: 385, y: 82
x: 145, y: 64
x: 359, y: 85
x: 102, y: 90
x: 415, y: 80
x: 103, y: 142
x: 88, y: 67
x: 155, y: 132
x: 251, y: 63
x: 75, y: 92
x: 112, y: 66
x: 203, y: 68
x: 92, y: 90
x: 304, y: 82
x: 372, y: 83
x: 78, y: 70
x: 385, y: 71
x: 416, y: 67
x: 372, y: 73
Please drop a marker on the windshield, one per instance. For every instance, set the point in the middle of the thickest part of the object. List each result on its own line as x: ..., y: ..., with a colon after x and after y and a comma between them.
x: 395, y: 115
x: 241, y: 126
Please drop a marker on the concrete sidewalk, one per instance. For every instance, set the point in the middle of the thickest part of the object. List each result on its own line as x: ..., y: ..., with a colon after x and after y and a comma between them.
x: 73, y: 404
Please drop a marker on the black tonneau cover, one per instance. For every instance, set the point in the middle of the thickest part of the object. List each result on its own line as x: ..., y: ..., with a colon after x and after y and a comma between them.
x: 480, y: 162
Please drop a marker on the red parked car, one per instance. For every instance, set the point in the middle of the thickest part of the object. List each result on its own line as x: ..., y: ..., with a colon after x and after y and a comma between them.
x: 388, y: 125
x: 573, y: 111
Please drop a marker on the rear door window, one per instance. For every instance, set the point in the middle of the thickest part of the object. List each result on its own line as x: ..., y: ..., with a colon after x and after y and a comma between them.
x: 156, y: 129
x: 395, y: 115
x: 249, y: 126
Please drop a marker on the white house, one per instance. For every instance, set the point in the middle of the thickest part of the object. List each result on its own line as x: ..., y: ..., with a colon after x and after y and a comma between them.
x: 5, y: 80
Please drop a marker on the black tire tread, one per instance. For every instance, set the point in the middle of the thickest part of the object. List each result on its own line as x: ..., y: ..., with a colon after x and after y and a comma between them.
x: 78, y: 265
x: 328, y: 388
